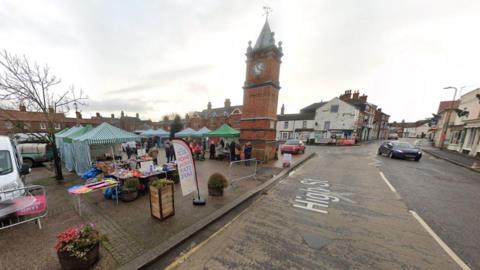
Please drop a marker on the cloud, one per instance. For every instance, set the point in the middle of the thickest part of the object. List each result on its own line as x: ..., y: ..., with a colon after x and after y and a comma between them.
x: 163, y: 78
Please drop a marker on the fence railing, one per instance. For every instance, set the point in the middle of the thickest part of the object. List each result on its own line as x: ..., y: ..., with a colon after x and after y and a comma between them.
x: 242, y: 169
x: 21, y: 205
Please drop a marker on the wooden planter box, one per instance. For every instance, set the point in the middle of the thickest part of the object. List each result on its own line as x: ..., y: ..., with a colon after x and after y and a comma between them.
x: 162, y: 202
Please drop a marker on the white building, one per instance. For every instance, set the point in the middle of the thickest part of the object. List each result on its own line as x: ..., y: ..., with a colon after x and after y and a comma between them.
x: 464, y: 135
x: 298, y: 125
x: 336, y: 119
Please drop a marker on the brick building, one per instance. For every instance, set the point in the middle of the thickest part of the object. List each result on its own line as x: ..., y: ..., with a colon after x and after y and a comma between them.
x: 213, y: 118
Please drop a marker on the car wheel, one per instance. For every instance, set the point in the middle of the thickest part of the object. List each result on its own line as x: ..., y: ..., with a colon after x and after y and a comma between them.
x: 417, y: 159
x: 391, y: 155
x: 28, y: 162
x: 379, y: 152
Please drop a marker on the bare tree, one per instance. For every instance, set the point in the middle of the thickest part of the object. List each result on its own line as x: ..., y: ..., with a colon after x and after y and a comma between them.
x: 33, y: 86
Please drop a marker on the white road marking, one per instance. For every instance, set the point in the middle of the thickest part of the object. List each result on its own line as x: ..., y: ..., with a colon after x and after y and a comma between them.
x: 447, y: 249
x: 387, y: 182
x: 291, y: 173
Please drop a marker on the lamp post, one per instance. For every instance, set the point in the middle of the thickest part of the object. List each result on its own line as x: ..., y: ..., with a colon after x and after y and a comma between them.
x: 445, y: 125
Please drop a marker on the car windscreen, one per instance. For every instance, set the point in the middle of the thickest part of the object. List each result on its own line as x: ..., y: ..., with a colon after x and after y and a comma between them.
x: 291, y: 142
x: 404, y: 146
x: 5, y: 162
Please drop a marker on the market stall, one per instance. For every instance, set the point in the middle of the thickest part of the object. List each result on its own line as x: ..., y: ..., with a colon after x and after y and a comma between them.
x: 226, y: 133
x: 68, y: 149
x: 104, y: 139
x: 201, y: 132
x: 62, y: 134
x: 188, y: 132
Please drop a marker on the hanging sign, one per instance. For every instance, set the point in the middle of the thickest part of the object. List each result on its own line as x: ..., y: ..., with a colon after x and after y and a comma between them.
x: 185, y: 166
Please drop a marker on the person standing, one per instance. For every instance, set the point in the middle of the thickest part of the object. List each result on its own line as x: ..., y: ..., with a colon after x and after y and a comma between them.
x: 172, y: 153
x: 232, y: 151
x: 248, y: 153
x: 212, y: 150
x: 238, y: 149
x: 167, y: 150
x: 222, y: 143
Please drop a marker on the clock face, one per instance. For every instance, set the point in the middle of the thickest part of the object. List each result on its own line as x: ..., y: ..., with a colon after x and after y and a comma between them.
x: 258, y: 68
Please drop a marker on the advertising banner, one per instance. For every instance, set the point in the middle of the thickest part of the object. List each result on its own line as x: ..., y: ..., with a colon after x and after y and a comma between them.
x: 185, y: 166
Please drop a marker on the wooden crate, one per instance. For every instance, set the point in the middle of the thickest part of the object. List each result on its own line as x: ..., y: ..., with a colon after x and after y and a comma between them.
x: 162, y: 204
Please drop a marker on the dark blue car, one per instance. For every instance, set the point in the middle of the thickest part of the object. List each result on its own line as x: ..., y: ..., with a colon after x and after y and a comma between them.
x: 400, y: 150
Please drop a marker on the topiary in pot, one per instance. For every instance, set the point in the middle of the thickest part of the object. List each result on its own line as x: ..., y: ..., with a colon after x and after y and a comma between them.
x: 216, y: 183
x: 129, y: 191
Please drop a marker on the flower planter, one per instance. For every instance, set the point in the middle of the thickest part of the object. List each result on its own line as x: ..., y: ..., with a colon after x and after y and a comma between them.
x: 215, y: 191
x: 69, y: 262
x: 162, y: 202
x: 128, y: 196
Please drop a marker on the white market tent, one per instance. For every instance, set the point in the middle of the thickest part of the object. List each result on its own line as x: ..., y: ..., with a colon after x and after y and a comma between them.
x: 202, y: 132
x: 188, y: 132
x: 102, y: 135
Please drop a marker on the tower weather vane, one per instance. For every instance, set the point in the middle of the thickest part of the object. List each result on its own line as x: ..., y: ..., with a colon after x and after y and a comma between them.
x: 267, y: 11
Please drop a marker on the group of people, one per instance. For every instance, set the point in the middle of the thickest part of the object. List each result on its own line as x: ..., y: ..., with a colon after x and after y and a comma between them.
x: 236, y: 150
x: 169, y: 151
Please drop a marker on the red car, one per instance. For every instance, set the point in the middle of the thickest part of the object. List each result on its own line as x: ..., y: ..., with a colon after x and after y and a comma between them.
x: 293, y: 146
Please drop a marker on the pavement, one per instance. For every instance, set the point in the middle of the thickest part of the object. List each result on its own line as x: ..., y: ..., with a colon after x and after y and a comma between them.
x: 131, y: 229
x: 450, y: 156
x: 368, y: 215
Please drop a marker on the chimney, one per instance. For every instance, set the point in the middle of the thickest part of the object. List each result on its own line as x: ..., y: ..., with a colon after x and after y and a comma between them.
x: 112, y: 115
x: 98, y: 115
x: 282, y: 110
x: 355, y: 95
x: 137, y: 115
x: 22, y: 107
x: 363, y: 98
x: 227, y: 103
x: 209, y: 106
x: 50, y: 109
x: 78, y: 115
x: 347, y: 96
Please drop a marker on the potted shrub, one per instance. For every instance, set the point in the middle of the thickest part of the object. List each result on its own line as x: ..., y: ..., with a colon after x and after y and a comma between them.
x: 162, y: 199
x: 78, y: 247
x: 129, y: 190
x: 216, y: 183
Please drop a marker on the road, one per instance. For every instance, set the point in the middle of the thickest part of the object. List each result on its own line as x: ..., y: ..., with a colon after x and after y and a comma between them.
x: 358, y: 222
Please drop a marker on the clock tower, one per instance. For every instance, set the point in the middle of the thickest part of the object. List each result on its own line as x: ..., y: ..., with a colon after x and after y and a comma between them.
x: 260, y: 95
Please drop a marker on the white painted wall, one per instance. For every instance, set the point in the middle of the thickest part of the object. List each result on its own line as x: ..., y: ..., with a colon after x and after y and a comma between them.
x: 292, y: 126
x: 345, y: 119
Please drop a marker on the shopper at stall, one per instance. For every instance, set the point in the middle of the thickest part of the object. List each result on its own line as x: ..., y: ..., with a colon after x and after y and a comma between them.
x: 222, y: 143
x: 172, y: 153
x: 238, y: 150
x: 248, y: 153
x: 212, y: 150
x: 232, y: 151
x: 167, y: 150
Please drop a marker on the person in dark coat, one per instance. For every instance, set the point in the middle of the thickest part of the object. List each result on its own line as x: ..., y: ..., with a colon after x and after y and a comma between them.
x: 222, y: 143
x: 212, y: 151
x: 232, y: 151
x: 247, y: 151
x: 172, y: 153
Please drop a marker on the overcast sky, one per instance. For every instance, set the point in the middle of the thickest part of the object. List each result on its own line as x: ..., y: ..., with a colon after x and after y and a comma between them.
x: 159, y: 57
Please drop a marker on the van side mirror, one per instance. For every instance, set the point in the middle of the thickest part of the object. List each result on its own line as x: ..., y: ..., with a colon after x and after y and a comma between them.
x: 25, y: 169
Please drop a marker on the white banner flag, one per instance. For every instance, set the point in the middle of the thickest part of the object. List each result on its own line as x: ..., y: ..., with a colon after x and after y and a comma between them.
x: 185, y: 166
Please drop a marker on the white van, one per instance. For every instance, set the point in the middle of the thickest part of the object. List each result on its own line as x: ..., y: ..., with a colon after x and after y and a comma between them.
x: 12, y: 171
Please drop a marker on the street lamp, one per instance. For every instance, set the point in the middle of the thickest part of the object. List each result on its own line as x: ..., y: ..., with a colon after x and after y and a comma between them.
x: 445, y: 125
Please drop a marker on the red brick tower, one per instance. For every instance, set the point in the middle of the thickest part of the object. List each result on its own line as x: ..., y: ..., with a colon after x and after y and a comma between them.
x: 260, y: 95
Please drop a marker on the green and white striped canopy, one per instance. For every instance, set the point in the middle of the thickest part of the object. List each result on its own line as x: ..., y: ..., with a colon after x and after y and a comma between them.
x: 107, y: 134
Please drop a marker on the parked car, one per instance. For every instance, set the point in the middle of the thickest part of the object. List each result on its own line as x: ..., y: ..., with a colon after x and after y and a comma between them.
x: 12, y: 170
x: 393, y: 136
x: 400, y: 150
x: 293, y: 146
x: 34, y: 153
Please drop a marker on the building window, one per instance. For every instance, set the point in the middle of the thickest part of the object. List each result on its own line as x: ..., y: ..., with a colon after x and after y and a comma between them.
x: 304, y: 124
x: 8, y: 125
x: 43, y: 126
x: 26, y: 125
x: 284, y: 136
x: 285, y: 124
x: 58, y: 126
x: 326, y: 125
x: 334, y: 108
